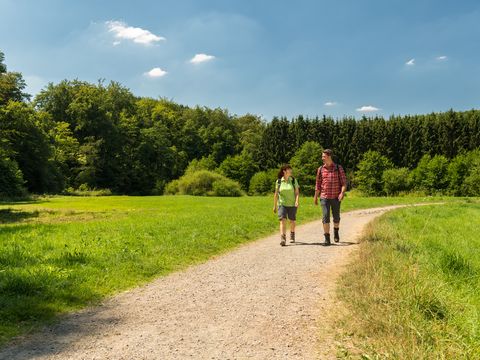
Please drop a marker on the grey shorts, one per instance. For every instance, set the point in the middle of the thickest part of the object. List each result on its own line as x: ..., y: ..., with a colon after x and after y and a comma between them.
x: 285, y: 212
x: 328, y: 204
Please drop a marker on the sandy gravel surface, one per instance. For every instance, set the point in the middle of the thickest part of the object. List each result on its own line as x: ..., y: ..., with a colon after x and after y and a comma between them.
x: 260, y: 301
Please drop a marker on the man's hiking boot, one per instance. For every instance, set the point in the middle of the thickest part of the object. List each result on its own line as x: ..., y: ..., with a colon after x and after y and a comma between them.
x: 327, y: 239
x: 336, y: 235
x: 283, y: 240
x: 292, y: 237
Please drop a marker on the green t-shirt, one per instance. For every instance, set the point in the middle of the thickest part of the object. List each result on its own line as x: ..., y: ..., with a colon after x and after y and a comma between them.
x: 286, y: 194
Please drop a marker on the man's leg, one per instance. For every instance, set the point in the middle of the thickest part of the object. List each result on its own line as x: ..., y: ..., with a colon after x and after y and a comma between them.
x: 336, y: 219
x: 326, y: 219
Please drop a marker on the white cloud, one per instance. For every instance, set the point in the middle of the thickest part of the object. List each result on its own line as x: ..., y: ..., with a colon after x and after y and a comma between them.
x: 410, y: 62
x: 441, y: 58
x: 138, y: 35
x: 116, y: 43
x: 368, y: 108
x: 330, y: 103
x: 156, y: 73
x: 200, y: 58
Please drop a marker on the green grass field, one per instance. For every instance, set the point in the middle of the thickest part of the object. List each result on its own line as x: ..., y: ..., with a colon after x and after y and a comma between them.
x: 59, y: 254
x: 414, y: 293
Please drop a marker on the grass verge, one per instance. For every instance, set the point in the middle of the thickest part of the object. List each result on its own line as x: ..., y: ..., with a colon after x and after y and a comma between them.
x: 414, y: 290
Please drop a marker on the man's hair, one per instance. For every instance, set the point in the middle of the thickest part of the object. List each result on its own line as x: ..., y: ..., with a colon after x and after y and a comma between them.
x: 328, y: 152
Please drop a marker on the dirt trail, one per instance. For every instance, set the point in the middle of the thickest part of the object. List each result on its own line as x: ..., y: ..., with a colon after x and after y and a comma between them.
x: 260, y: 301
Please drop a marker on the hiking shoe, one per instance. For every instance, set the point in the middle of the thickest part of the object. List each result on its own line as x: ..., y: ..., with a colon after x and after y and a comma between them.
x: 292, y: 237
x: 283, y: 240
x: 336, y: 236
x: 327, y: 239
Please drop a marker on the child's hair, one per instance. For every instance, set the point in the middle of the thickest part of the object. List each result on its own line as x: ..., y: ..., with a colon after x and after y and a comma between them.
x: 282, y: 170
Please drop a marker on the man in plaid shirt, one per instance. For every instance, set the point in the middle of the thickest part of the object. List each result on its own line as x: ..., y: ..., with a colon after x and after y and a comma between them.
x: 331, y: 186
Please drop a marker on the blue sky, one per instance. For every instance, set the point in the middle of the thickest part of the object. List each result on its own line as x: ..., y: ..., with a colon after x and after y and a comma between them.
x: 264, y: 57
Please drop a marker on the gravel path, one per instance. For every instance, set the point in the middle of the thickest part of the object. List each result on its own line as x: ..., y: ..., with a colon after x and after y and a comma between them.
x: 260, y: 301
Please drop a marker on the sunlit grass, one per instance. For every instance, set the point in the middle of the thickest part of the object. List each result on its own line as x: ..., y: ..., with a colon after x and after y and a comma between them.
x: 58, y: 254
x: 414, y: 291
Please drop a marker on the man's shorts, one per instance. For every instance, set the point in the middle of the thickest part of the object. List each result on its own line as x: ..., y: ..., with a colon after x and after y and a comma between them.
x: 285, y: 212
x: 328, y: 204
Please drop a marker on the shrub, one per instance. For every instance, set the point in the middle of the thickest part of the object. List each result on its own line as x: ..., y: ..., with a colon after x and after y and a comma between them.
x: 226, y: 187
x: 430, y: 174
x: 369, y: 176
x: 240, y: 168
x: 395, y: 181
x: 11, y: 179
x: 205, y: 163
x: 263, y: 182
x: 204, y: 183
x: 457, y: 170
x: 172, y: 187
x: 471, y: 184
x: 305, y: 163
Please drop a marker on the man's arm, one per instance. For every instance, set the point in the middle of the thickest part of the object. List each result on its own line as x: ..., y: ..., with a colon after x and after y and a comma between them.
x: 343, y: 182
x: 318, y: 185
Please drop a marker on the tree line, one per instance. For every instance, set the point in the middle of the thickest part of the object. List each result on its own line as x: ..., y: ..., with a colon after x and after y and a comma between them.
x: 76, y: 134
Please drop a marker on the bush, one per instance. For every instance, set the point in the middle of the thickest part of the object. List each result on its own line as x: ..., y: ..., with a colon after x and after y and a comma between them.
x: 471, y: 184
x: 204, y: 183
x: 205, y: 163
x: 457, y: 171
x: 263, y: 182
x: 369, y: 176
x: 395, y: 181
x: 172, y: 188
x: 11, y: 179
x: 305, y: 163
x: 430, y: 174
x: 226, y: 187
x: 240, y: 168
x: 85, y: 190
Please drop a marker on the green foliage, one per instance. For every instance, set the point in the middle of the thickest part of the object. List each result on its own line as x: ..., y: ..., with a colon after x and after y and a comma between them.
x: 205, y: 163
x: 305, y: 163
x: 240, y: 168
x: 226, y: 187
x: 11, y: 179
x: 263, y: 182
x: 204, y: 183
x: 431, y: 174
x: 12, y: 85
x: 396, y: 181
x: 370, y: 172
x: 471, y: 184
x: 76, y: 132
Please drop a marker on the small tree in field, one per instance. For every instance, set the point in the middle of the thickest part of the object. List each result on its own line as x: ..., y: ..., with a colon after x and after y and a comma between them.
x: 263, y: 182
x: 395, y: 181
x: 305, y: 163
x: 369, y: 176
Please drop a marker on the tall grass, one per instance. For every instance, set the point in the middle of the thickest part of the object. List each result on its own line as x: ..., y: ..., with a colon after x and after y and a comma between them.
x: 62, y: 253
x: 414, y: 291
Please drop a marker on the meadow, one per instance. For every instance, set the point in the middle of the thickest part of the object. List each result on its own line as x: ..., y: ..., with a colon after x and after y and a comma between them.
x: 413, y: 292
x: 59, y: 254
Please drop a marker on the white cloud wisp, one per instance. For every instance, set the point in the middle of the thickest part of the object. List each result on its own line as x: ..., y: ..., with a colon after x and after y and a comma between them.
x: 201, y: 58
x: 138, y: 35
x: 156, y: 73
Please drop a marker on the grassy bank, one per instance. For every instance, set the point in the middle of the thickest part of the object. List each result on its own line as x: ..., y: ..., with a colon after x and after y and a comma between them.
x: 62, y: 253
x: 414, y: 291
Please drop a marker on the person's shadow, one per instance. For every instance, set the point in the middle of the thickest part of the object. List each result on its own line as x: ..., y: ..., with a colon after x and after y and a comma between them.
x: 341, y: 243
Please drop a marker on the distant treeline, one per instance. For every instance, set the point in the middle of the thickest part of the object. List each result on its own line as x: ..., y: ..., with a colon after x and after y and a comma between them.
x: 75, y: 134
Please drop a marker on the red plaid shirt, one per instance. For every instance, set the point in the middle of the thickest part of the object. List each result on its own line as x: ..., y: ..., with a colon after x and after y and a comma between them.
x: 330, y: 181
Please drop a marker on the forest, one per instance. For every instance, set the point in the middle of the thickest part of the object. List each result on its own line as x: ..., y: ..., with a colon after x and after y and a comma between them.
x: 76, y: 135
